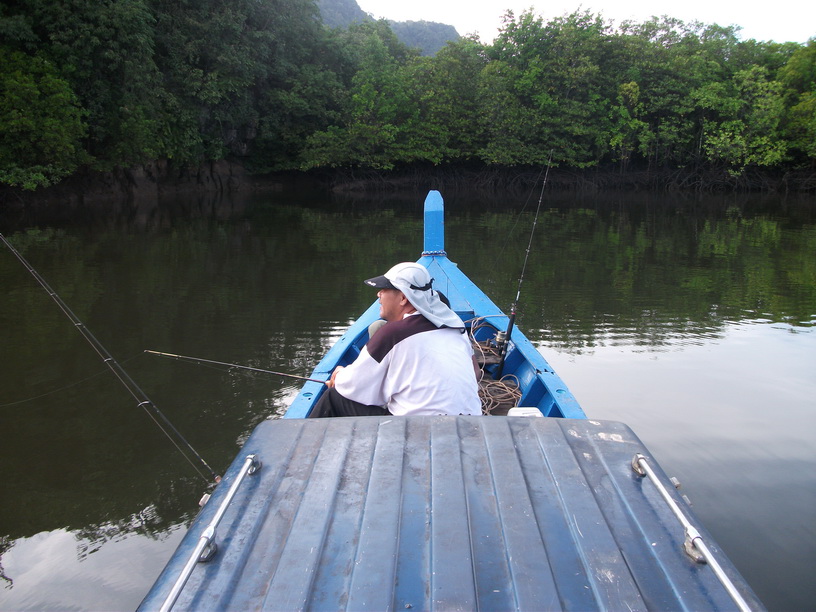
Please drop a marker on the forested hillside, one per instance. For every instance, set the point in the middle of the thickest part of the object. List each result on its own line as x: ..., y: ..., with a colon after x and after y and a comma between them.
x: 341, y: 13
x: 102, y: 84
x: 427, y: 36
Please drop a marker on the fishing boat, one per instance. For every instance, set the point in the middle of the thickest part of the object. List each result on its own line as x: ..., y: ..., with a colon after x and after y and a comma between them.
x: 532, y: 506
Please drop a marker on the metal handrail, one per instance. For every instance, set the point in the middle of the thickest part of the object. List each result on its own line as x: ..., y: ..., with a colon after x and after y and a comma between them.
x: 206, y: 546
x: 695, y: 547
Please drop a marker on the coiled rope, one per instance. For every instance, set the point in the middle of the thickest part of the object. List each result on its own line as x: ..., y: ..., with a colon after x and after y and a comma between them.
x: 496, y: 395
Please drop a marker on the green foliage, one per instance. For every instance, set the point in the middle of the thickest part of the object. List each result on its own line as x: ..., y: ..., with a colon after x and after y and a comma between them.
x: 549, y: 88
x: 801, y: 126
x: 41, y: 123
x: 105, y: 50
x: 376, y: 106
x: 450, y: 106
x: 235, y: 71
x: 113, y: 83
x: 627, y: 127
x: 747, y: 132
x: 798, y: 76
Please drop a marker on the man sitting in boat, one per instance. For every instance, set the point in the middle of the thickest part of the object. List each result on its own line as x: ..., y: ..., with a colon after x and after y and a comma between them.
x: 419, y: 362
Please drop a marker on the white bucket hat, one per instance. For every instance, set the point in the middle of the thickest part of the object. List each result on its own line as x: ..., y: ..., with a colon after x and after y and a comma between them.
x: 416, y: 283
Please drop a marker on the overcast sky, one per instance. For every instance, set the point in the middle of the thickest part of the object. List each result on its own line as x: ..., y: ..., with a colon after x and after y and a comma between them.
x: 779, y: 22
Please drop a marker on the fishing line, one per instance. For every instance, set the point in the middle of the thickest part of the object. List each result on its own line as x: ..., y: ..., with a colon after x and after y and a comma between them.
x: 532, y: 232
x: 506, y: 339
x: 143, y: 401
x: 60, y: 389
x: 511, y: 233
x: 204, y: 362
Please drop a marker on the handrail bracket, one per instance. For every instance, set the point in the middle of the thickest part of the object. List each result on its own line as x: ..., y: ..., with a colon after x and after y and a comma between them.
x: 694, y: 545
x: 207, y: 547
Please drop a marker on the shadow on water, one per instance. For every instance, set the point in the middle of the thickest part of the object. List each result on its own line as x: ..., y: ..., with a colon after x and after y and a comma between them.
x: 625, y: 288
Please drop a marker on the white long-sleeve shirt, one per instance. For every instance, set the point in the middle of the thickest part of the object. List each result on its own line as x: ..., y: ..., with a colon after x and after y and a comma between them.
x: 412, y: 367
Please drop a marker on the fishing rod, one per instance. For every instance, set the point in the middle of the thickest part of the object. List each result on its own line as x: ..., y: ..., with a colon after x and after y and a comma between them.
x: 232, y: 365
x: 506, y: 339
x: 144, y: 402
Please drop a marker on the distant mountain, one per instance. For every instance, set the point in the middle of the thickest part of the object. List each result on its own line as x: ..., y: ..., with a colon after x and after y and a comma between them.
x: 341, y: 13
x: 427, y: 36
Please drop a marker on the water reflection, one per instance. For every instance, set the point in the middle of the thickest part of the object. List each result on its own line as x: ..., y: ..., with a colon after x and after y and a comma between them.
x: 81, y: 574
x: 693, y: 323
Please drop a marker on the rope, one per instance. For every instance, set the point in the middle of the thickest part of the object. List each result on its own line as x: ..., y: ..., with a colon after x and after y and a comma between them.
x: 500, y: 393
x: 494, y: 394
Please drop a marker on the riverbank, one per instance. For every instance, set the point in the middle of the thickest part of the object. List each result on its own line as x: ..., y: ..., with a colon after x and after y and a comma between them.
x: 150, y: 181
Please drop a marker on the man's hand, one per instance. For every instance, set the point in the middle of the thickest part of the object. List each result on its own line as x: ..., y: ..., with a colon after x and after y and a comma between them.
x: 330, y: 383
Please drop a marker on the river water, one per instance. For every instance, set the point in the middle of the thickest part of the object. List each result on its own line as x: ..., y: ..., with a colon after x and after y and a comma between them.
x: 692, y: 320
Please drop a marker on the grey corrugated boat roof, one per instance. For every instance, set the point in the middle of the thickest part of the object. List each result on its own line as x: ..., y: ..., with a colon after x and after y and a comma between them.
x: 446, y: 513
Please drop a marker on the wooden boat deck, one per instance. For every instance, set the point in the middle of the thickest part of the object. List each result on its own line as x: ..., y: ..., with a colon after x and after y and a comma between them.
x: 444, y: 513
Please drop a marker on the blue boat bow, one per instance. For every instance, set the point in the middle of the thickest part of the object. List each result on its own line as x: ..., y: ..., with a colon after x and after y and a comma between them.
x: 539, y: 385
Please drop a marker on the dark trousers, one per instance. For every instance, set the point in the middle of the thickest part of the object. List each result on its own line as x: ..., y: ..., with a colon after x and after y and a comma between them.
x: 332, y: 404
